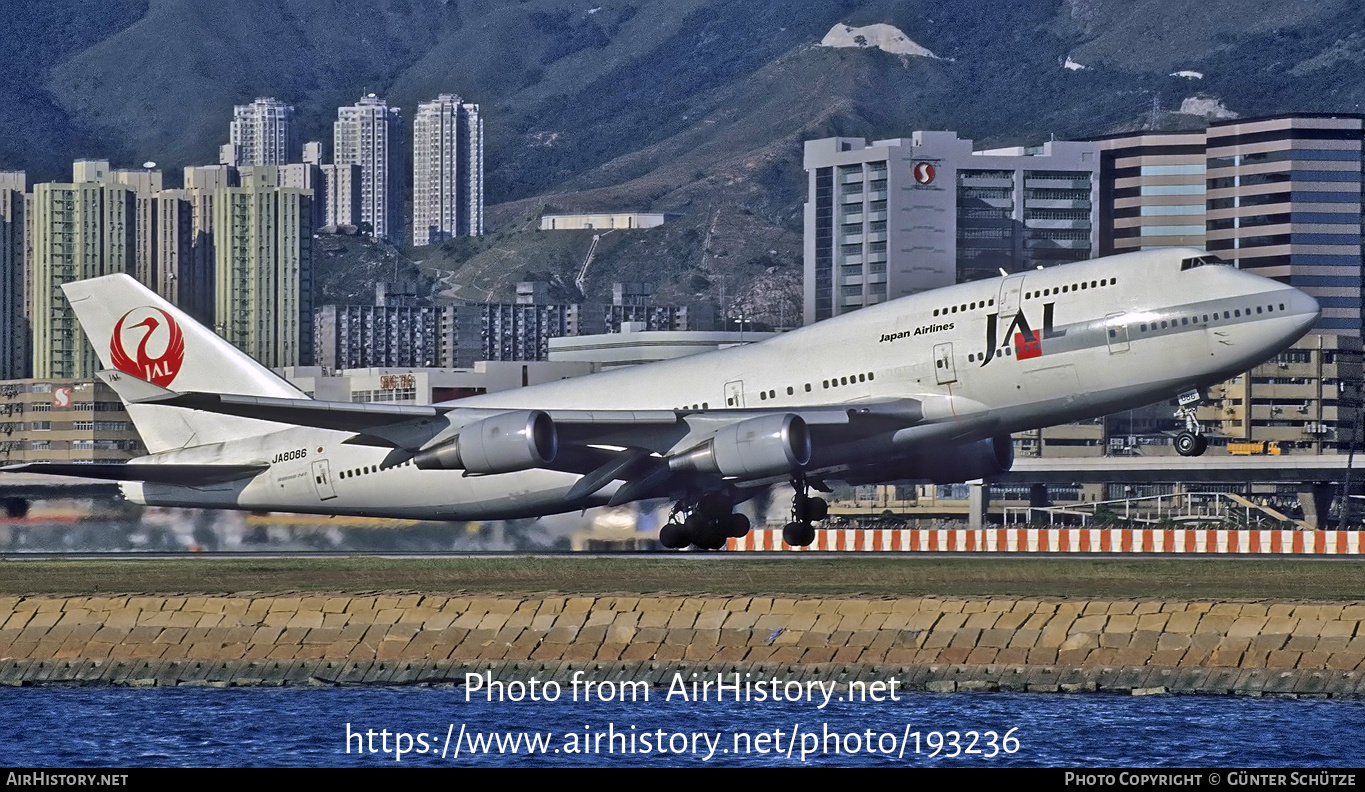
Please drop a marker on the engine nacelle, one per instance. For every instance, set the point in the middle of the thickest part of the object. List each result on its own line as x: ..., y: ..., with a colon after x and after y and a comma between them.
x: 950, y: 465
x: 769, y: 445
x: 504, y: 443
x: 973, y: 461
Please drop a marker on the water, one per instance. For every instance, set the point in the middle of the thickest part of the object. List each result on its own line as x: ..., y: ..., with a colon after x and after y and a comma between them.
x: 87, y: 727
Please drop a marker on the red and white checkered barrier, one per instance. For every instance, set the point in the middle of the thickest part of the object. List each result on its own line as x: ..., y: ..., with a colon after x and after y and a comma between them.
x: 1064, y: 540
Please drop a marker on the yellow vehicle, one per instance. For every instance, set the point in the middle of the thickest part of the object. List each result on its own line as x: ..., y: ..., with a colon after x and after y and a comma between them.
x: 1268, y: 447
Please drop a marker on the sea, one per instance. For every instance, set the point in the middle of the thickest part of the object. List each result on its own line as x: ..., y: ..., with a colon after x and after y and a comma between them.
x: 63, y: 727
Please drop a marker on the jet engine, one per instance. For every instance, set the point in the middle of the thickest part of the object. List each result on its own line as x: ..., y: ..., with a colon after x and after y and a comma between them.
x: 972, y: 461
x: 949, y: 465
x: 769, y: 445
x: 504, y: 443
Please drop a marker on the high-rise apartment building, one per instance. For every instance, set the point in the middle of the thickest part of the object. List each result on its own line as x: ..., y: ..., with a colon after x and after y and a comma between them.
x: 76, y: 231
x: 340, y: 197
x: 173, y: 252
x: 263, y: 275
x: 264, y: 133
x: 13, y: 325
x: 194, y: 276
x: 184, y: 252
x: 367, y: 134
x: 384, y: 336
x: 447, y: 170
x: 896, y: 217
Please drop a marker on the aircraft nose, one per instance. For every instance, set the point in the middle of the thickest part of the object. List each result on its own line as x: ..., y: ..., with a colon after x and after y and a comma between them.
x: 1305, y: 307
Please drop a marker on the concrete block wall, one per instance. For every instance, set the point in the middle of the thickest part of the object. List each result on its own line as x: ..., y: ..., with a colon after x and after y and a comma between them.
x: 870, y: 632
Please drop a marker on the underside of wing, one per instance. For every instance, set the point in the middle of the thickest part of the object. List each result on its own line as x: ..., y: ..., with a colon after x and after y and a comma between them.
x: 650, y: 450
x: 188, y: 475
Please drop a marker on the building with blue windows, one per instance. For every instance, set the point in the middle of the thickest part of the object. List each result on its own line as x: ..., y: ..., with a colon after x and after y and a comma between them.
x: 1279, y: 196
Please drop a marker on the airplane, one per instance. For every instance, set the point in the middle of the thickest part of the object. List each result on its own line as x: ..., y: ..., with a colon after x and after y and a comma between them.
x: 924, y: 387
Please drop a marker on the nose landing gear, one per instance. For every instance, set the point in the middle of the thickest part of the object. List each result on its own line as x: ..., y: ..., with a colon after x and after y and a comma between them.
x: 1191, y: 442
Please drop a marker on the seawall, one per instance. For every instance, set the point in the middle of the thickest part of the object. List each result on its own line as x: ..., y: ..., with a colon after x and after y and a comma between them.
x: 942, y: 644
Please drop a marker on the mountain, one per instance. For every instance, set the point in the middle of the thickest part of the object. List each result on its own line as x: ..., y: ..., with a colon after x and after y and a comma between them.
x: 694, y: 107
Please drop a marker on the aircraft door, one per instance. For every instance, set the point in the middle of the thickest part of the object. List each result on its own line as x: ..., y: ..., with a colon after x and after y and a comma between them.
x: 1116, y: 331
x: 322, y: 480
x: 734, y: 393
x: 1009, y: 294
x: 944, y: 369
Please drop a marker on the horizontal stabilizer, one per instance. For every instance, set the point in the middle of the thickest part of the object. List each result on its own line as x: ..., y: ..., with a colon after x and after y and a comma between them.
x: 188, y: 475
x: 131, y: 389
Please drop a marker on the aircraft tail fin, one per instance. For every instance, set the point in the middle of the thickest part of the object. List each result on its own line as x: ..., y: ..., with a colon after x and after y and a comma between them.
x: 137, y: 332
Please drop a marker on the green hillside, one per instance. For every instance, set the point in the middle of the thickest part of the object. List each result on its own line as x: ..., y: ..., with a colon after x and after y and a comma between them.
x: 693, y: 107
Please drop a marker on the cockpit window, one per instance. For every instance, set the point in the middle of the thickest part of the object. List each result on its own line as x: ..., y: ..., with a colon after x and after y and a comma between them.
x: 1208, y: 259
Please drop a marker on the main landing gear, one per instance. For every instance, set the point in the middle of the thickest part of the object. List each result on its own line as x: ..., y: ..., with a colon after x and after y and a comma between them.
x: 1191, y: 442
x: 805, y: 510
x: 705, y: 523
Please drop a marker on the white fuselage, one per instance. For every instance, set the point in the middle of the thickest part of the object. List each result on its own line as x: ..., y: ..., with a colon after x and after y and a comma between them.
x: 1028, y: 350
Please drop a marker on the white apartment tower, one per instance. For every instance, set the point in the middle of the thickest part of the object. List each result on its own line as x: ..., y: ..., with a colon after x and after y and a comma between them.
x: 367, y: 134
x: 447, y: 170
x: 264, y: 133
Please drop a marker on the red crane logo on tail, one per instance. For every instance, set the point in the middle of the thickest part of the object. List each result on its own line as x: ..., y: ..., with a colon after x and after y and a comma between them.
x: 159, y: 369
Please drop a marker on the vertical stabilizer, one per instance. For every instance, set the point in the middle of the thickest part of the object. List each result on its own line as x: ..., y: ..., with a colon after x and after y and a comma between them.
x: 137, y: 332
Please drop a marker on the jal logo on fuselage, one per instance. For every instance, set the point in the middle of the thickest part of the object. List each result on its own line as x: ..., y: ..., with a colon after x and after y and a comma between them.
x: 1027, y: 342
x: 159, y: 349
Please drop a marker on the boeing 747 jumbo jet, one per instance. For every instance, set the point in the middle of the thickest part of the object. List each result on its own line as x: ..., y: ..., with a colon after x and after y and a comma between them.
x: 926, y: 387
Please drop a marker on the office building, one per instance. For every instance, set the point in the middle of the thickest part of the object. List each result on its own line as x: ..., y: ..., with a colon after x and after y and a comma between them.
x: 895, y: 217
x: 263, y: 133
x: 447, y: 170
x: 262, y: 237
x: 1279, y: 196
x: 64, y: 420
x: 1151, y: 191
x: 1284, y: 201
x: 367, y: 134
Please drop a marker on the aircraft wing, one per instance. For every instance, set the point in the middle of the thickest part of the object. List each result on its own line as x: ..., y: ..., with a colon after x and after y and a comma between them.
x: 414, y: 427
x: 639, y: 447
x: 187, y: 475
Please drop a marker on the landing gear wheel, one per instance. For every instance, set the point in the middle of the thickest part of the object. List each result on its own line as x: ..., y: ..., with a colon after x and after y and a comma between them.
x: 674, y: 536
x: 714, y: 505
x: 798, y: 534
x: 817, y: 509
x: 711, y: 534
x: 739, y: 526
x: 1190, y: 444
